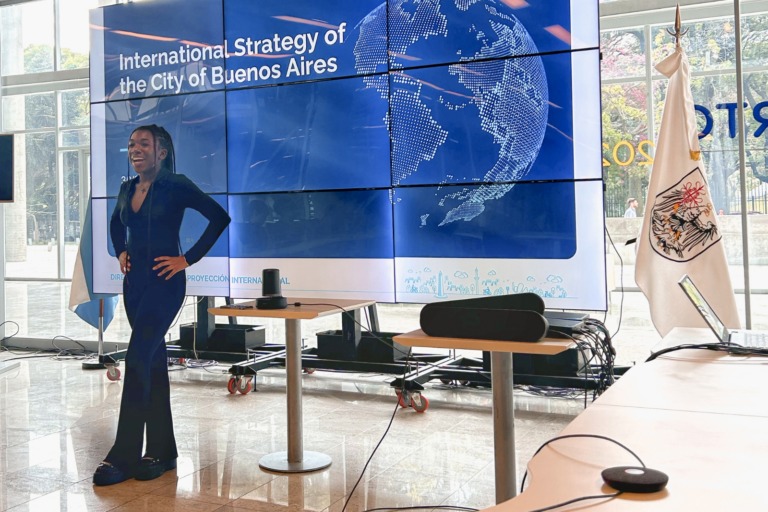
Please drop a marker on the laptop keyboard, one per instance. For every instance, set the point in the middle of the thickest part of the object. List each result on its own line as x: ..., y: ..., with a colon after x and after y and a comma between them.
x: 750, y: 339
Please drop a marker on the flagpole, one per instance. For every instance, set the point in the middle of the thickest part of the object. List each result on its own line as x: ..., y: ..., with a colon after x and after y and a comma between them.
x: 99, y: 363
x: 742, y: 163
x: 678, y: 189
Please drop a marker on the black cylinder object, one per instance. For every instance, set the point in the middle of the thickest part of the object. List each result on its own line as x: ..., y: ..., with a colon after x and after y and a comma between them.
x: 270, y: 289
x: 270, y: 282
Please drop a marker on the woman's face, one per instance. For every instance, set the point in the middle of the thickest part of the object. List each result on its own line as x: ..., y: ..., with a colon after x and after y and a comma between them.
x: 143, y: 152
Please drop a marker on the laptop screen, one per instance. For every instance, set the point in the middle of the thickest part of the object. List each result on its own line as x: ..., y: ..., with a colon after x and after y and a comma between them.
x: 704, y: 309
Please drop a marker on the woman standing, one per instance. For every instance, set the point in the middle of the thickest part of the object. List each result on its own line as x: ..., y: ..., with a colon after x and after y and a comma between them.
x: 145, y: 228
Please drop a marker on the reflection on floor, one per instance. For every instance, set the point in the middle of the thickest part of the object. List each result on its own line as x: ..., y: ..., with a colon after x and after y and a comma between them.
x: 39, y: 310
x: 57, y: 422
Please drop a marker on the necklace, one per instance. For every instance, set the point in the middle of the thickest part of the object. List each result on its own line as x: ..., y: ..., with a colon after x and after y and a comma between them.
x: 143, y: 189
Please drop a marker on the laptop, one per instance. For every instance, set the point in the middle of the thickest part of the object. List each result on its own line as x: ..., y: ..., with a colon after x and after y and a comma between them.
x: 745, y: 338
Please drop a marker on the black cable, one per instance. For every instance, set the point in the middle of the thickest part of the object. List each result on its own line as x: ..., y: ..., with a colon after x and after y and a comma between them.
x: 575, y: 500
x: 597, y: 354
x: 600, y: 348
x: 580, y: 347
x: 582, y: 498
x: 729, y: 348
x: 25, y: 350
x: 621, y: 282
x: 34, y: 356
x: 604, y: 351
x: 197, y: 362
x: 572, y: 436
x: 57, y: 353
x: 391, y: 345
x: 84, y: 353
x: 549, y: 392
x: 370, y: 458
x: 3, y: 348
x: 400, y: 399
x: 581, y: 350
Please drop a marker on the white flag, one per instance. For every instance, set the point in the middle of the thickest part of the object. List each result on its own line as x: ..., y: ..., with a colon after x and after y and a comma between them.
x: 680, y: 233
x: 83, y: 301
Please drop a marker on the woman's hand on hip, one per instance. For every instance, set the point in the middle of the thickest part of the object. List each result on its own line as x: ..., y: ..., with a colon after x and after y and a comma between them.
x: 125, y: 262
x: 169, y: 266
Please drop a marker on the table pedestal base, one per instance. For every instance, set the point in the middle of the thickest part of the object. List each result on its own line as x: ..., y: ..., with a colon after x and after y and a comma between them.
x: 278, y: 461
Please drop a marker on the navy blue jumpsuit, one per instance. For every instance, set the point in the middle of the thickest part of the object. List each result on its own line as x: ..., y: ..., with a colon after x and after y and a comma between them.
x: 151, y: 304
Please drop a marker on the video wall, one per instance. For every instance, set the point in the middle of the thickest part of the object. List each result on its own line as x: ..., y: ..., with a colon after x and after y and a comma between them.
x: 402, y: 151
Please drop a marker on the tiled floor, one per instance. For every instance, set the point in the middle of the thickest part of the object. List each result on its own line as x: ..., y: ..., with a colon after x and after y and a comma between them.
x: 57, y: 422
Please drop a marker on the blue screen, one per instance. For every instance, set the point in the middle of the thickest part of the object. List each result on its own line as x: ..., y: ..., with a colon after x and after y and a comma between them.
x: 412, y: 136
x: 424, y: 33
x: 342, y: 224
x: 278, y: 41
x: 319, y: 135
x: 196, y: 123
x: 501, y: 120
x: 154, y: 48
x: 524, y: 220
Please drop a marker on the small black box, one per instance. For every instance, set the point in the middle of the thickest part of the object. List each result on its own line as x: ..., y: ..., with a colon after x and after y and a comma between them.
x: 224, y: 338
x: 376, y: 347
x: 564, y: 364
x: 332, y: 345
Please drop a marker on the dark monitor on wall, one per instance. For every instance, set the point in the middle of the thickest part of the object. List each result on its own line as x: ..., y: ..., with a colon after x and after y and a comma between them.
x: 6, y: 168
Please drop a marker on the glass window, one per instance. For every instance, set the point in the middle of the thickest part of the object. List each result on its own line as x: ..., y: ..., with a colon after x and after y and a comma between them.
x: 41, y: 200
x: 623, y: 53
x: 75, y: 138
x: 754, y: 30
x: 627, y: 152
x: 756, y: 113
x: 756, y: 96
x: 72, y: 164
x: 75, y: 108
x: 26, y: 38
x: 716, y: 117
x: 74, y: 33
x: 29, y: 112
x: 710, y: 45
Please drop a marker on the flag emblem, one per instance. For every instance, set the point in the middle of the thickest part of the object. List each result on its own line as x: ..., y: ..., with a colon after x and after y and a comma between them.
x: 680, y: 232
x: 682, y: 219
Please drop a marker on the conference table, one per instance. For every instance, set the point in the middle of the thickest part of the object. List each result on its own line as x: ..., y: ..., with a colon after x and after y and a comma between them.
x: 699, y: 416
x: 295, y: 459
x: 505, y: 459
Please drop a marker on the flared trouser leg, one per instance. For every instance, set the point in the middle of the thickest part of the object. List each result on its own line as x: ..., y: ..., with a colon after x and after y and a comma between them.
x: 146, y: 400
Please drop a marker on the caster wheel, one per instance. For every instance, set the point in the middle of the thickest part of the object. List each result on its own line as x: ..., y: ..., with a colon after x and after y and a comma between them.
x: 447, y: 382
x: 420, y: 403
x: 401, y: 399
x: 308, y: 371
x: 232, y: 385
x: 113, y: 373
x: 245, y: 386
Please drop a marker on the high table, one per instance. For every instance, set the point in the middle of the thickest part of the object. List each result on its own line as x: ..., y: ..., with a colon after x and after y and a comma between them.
x: 295, y: 459
x: 505, y: 460
x: 699, y: 416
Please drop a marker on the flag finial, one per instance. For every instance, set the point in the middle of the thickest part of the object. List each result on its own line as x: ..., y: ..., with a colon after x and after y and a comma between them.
x: 679, y: 32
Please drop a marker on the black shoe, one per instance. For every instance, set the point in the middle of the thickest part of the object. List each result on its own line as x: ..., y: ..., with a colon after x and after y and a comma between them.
x: 108, y: 474
x: 151, y: 468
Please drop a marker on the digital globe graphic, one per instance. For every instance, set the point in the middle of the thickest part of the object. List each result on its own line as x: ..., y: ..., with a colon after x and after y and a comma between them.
x: 462, y: 110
